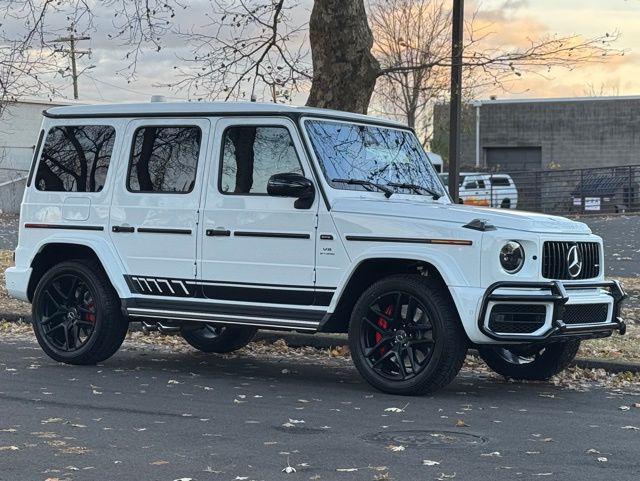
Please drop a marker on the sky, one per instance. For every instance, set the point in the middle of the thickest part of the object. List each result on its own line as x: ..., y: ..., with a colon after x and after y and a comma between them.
x: 511, y: 21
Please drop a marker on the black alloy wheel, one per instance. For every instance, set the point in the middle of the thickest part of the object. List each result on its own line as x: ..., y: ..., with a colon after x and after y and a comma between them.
x: 67, y: 313
x: 76, y: 313
x: 217, y: 338
x: 405, y: 335
x: 530, y: 362
x: 397, y: 338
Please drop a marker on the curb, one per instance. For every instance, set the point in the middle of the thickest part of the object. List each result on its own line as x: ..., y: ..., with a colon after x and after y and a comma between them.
x: 327, y: 341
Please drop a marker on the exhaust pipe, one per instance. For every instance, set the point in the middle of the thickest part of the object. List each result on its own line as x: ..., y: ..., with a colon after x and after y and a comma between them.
x: 148, y: 327
x: 167, y: 328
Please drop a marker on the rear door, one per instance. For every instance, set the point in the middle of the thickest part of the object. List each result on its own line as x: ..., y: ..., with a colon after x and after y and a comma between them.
x: 154, y: 213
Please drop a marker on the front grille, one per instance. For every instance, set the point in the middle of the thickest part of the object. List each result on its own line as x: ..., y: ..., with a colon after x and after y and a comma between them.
x: 555, y: 264
x: 585, y: 313
x: 517, y: 318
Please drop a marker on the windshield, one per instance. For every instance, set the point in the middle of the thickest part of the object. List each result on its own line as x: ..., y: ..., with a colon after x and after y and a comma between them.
x: 370, y: 153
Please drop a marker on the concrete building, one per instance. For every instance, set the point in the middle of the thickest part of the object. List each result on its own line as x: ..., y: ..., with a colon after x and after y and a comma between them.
x: 544, y: 134
x: 19, y: 127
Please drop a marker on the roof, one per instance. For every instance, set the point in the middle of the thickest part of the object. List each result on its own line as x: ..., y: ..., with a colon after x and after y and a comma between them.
x: 185, y: 109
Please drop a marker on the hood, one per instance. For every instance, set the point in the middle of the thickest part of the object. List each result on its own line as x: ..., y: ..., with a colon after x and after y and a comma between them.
x: 460, y: 214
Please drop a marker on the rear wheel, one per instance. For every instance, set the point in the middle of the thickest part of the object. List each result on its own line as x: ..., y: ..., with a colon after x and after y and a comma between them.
x: 207, y: 337
x: 405, y: 336
x: 535, y: 363
x: 505, y: 204
x: 76, y: 314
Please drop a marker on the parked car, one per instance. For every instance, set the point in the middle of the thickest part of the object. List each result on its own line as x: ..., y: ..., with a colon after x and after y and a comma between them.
x: 217, y: 219
x: 486, y: 190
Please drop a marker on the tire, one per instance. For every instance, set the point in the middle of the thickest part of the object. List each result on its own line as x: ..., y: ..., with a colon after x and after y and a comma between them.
x: 86, y: 313
x: 428, y: 336
x: 505, y: 204
x: 530, y: 362
x: 217, y: 338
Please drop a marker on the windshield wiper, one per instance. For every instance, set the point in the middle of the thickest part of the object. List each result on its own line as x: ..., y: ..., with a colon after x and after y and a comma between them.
x: 418, y: 189
x: 366, y: 183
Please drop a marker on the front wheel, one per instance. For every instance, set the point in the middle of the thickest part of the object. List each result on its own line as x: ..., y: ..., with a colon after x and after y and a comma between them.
x: 405, y: 336
x: 533, y: 363
x: 217, y: 338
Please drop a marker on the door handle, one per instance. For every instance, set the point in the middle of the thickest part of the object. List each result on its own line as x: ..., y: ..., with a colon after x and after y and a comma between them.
x: 218, y: 233
x: 122, y: 228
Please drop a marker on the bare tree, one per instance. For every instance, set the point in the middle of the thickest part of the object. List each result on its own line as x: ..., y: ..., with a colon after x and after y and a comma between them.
x: 412, y: 42
x: 245, y: 50
x: 247, y: 46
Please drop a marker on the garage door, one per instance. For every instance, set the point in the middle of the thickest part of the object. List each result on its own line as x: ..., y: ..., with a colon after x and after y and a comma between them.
x: 514, y: 159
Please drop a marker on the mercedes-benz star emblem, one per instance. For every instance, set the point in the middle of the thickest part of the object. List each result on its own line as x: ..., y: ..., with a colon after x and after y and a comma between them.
x: 574, y: 262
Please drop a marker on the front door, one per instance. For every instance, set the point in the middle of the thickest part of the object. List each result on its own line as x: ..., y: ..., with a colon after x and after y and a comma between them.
x: 154, y: 213
x: 256, y: 249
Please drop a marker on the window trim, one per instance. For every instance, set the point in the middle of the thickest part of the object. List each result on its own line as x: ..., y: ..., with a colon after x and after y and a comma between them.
x: 132, y: 148
x: 35, y: 162
x: 45, y: 133
x: 221, y: 155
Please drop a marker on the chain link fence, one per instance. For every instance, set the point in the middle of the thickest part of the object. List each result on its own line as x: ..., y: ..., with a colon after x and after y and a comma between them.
x: 604, y: 190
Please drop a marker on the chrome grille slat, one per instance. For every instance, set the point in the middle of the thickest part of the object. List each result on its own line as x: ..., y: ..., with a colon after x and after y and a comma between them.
x: 554, y: 261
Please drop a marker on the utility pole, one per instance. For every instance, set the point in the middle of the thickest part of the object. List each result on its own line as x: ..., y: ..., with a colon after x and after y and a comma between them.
x: 456, y: 97
x: 71, y: 40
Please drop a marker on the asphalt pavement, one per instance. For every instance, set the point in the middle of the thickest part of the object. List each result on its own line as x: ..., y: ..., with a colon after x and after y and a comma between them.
x: 150, y: 415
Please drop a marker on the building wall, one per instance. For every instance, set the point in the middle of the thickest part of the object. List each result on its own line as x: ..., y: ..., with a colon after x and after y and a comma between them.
x: 572, y: 133
x: 19, y: 126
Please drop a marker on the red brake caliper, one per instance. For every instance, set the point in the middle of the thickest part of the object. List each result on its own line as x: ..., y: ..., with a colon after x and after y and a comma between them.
x: 383, y: 324
x: 91, y: 317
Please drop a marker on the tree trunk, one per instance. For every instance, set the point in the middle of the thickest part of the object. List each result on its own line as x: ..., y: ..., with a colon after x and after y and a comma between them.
x: 344, y: 69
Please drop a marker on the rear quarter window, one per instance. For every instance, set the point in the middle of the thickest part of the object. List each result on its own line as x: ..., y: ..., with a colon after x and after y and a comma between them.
x: 75, y: 158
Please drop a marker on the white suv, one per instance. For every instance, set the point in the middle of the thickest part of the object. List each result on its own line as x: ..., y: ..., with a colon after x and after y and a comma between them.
x: 217, y: 219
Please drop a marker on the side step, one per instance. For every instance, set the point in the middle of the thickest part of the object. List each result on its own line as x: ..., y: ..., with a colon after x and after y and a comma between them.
x: 223, y: 318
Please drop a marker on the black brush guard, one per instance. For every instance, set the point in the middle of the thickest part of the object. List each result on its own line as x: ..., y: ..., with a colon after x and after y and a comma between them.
x: 558, y: 296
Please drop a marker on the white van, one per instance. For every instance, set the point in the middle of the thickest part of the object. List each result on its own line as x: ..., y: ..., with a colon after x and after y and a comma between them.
x: 486, y: 190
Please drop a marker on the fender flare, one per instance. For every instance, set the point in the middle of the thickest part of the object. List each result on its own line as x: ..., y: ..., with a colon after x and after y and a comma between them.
x: 105, y: 253
x: 445, y: 264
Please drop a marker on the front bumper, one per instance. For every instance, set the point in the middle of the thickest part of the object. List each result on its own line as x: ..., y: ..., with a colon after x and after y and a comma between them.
x: 555, y: 295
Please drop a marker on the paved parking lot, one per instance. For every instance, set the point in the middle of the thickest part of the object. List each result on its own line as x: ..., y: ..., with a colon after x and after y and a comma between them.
x: 154, y: 415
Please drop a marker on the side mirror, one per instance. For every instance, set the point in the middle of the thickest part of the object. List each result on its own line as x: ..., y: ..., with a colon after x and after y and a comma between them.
x: 292, y: 185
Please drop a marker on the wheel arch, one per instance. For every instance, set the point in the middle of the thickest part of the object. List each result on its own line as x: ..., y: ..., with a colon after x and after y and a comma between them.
x: 52, y: 251
x: 368, y: 270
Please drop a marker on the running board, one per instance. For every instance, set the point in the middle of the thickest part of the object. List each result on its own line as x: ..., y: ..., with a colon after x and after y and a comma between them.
x: 194, y: 316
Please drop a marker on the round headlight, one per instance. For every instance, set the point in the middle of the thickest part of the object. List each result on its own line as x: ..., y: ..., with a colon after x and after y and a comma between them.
x: 512, y: 257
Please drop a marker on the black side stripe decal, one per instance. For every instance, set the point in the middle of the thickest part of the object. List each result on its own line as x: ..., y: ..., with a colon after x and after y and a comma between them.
x: 64, y: 226
x: 282, y: 235
x: 409, y: 240
x: 294, y: 295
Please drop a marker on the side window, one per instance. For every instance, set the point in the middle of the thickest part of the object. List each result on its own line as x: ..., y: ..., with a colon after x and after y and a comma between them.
x: 471, y: 184
x: 164, y: 159
x: 75, y: 158
x: 481, y: 184
x: 251, y: 155
x: 500, y: 182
